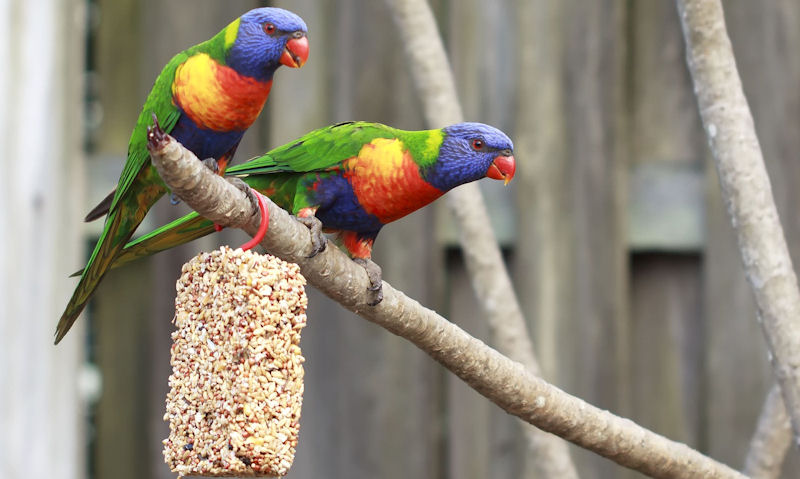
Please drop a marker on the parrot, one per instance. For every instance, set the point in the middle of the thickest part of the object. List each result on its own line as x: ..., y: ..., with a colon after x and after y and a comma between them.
x: 206, y: 97
x: 351, y: 179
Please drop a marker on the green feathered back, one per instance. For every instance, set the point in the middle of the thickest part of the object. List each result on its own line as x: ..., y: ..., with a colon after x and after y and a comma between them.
x: 274, y: 174
x: 327, y: 147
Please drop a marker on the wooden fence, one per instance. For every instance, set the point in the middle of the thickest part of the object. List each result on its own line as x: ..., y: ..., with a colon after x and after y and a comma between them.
x: 614, y: 230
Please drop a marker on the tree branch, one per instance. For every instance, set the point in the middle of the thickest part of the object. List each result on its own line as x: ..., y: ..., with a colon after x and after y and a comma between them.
x: 430, y: 69
x: 505, y: 382
x: 771, y: 440
x: 746, y: 190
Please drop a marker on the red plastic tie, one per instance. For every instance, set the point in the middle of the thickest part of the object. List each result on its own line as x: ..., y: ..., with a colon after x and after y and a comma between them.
x: 262, y: 228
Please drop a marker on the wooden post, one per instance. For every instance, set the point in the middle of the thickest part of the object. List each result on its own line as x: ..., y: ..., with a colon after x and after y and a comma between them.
x: 41, y: 415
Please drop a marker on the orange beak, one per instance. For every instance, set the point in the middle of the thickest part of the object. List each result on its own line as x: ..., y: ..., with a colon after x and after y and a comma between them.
x: 295, y: 53
x: 502, y: 168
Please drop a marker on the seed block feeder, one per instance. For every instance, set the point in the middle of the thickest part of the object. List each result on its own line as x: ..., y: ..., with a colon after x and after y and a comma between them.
x: 237, y: 370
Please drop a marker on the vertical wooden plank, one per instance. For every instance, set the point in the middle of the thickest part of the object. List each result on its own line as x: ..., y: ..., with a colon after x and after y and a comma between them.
x: 483, y: 441
x: 541, y: 270
x: 41, y: 409
x: 667, y: 341
x: 123, y: 445
x: 668, y: 328
x: 371, y: 402
x: 115, y: 95
x: 594, y: 55
x: 764, y: 40
x: 301, y: 100
x: 595, y: 361
x: 119, y: 312
x: 468, y: 413
x: 118, y: 66
x: 572, y: 266
x: 664, y: 123
x: 480, y: 39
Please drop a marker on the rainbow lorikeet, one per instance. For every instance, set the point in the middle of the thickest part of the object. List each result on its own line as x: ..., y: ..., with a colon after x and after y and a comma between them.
x: 354, y: 178
x: 205, y: 97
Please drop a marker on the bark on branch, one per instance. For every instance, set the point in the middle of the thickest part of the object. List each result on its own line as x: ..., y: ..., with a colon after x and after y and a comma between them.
x: 746, y: 190
x: 505, y: 382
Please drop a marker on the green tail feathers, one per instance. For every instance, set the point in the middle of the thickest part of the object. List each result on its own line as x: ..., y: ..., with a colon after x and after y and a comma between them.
x: 180, y: 231
x: 120, y: 224
x: 104, y: 252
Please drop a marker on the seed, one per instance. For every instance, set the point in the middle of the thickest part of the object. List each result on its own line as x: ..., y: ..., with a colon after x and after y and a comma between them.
x: 237, y: 367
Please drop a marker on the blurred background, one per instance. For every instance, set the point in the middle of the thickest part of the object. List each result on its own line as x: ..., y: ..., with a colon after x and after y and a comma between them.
x: 613, y: 228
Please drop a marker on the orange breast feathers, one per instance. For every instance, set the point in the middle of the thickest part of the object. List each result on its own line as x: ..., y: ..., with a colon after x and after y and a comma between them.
x: 215, y: 96
x: 386, y: 180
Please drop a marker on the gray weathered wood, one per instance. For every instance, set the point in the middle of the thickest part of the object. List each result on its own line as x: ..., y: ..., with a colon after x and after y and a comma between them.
x: 372, y: 400
x: 666, y: 145
x: 124, y: 360
x: 588, y: 90
x: 481, y: 440
x: 572, y: 265
x: 41, y: 123
x: 667, y: 338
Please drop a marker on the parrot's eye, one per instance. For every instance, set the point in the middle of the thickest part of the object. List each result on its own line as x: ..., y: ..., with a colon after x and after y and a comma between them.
x: 477, y: 144
x: 269, y: 28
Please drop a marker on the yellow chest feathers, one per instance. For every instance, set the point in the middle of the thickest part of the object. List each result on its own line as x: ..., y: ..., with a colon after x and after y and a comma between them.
x: 215, y: 96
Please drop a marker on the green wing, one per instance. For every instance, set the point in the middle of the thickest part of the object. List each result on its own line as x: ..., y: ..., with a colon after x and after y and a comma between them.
x: 272, y: 175
x: 159, y: 102
x: 318, y: 150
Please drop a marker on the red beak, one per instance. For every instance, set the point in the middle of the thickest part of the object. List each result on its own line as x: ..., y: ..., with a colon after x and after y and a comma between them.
x: 502, y: 168
x: 295, y: 53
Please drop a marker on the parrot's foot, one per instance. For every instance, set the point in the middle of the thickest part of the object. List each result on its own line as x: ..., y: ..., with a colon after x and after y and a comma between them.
x: 156, y: 138
x: 173, y: 199
x: 245, y: 188
x: 212, y: 165
x: 318, y: 240
x: 374, y: 274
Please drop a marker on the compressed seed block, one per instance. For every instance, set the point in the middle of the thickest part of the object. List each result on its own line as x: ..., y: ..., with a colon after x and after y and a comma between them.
x: 237, y: 371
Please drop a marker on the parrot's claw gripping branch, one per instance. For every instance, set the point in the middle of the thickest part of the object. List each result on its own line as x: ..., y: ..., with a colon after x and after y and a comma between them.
x: 209, y: 194
x: 318, y: 240
x: 245, y: 188
x: 156, y: 138
x: 375, y: 275
x: 182, y: 171
x: 212, y: 165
